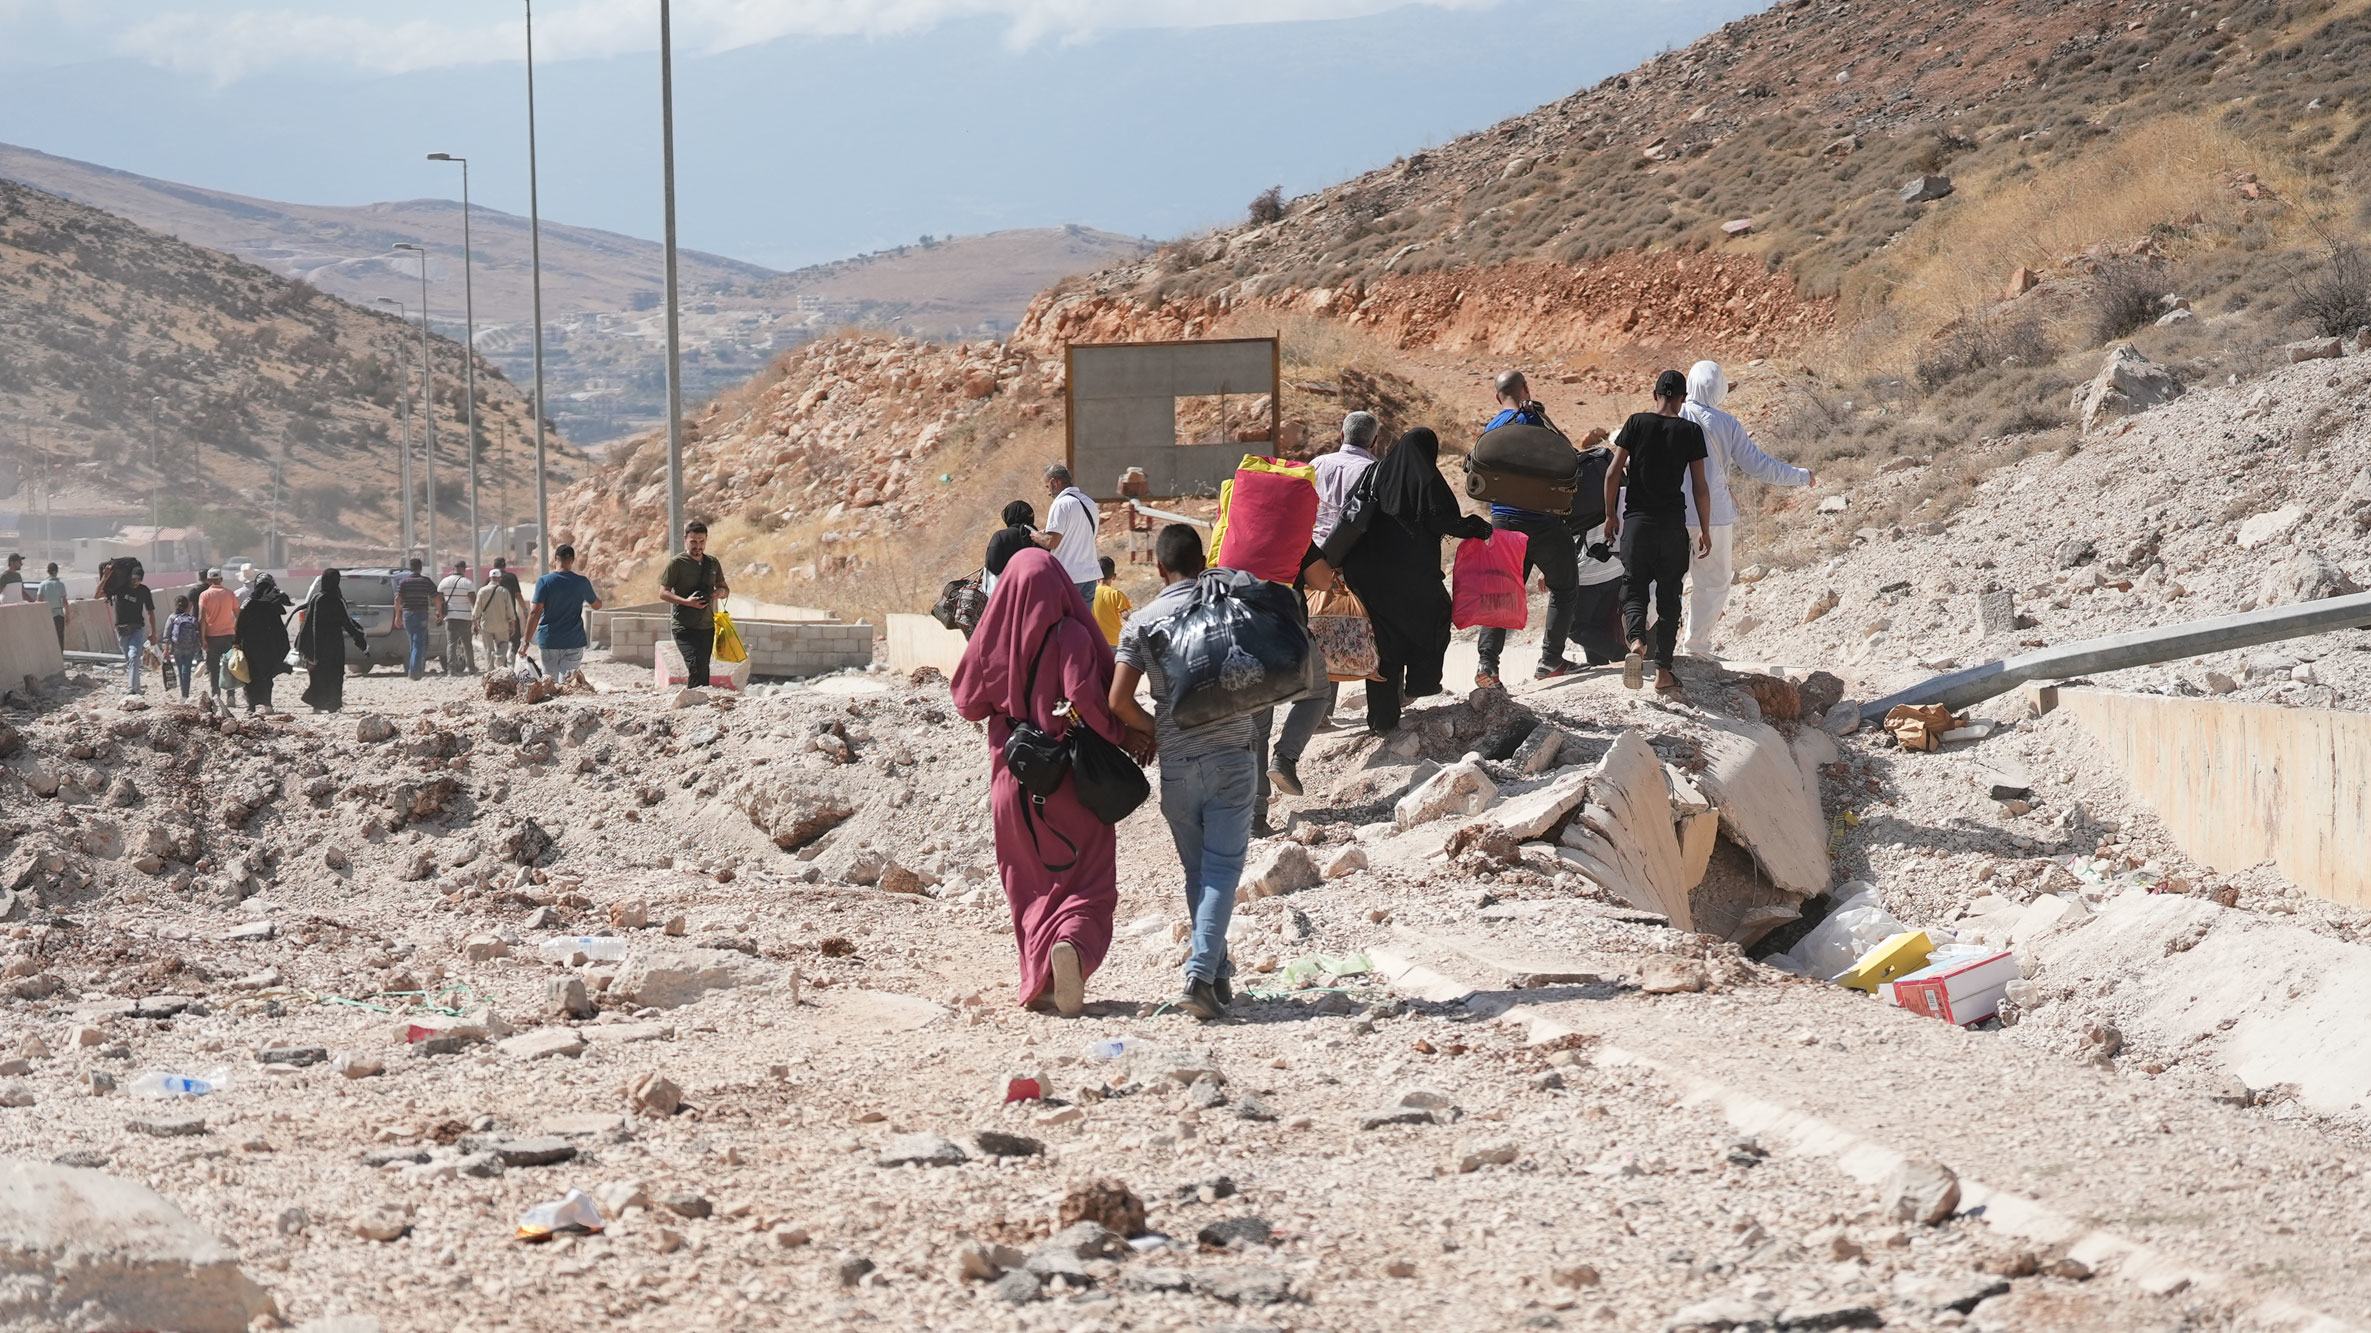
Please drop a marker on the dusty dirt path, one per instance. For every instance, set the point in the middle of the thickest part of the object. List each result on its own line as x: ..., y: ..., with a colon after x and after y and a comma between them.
x: 1336, y: 1157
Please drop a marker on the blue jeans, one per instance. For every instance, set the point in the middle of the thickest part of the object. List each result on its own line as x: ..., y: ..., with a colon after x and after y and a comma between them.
x: 182, y: 662
x: 415, y: 628
x: 132, y: 640
x: 1207, y: 802
x: 1300, y: 722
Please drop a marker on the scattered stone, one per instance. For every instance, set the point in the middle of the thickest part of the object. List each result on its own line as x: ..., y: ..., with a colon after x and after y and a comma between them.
x: 921, y: 1150
x: 1721, y: 1312
x: 2127, y: 383
x: 387, y: 1222
x: 15, y: 1094
x: 997, y: 1143
x: 1463, y: 788
x: 541, y: 1043
x: 1576, y: 1276
x: 1395, y: 1115
x: 1018, y: 1287
x: 1922, y: 1192
x: 1157, y: 1280
x: 1251, y: 1107
x: 1833, y: 1312
x: 1248, y: 1285
x: 82, y: 1249
x: 1924, y: 189
x: 350, y: 1064
x: 1674, y: 976
x: 485, y: 948
x: 1820, y: 605
x: 1284, y: 867
x: 546, y: 1150
x: 654, y: 1094
x: 684, y: 1203
x: 167, y: 1126
x: 1106, y: 1201
x: 852, y: 1268
x: 1939, y: 1294
x: 291, y: 1055
x: 565, y: 997
x: 670, y: 976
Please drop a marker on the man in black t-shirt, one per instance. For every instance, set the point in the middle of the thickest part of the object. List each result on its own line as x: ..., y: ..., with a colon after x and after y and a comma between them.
x: 692, y: 582
x: 1662, y: 455
x: 135, y: 623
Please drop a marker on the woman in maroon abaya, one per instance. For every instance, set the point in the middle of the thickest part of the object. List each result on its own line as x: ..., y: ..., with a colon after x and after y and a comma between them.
x: 1036, y: 645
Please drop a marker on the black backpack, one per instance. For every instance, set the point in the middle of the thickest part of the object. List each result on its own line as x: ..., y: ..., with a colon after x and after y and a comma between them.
x: 1588, y: 500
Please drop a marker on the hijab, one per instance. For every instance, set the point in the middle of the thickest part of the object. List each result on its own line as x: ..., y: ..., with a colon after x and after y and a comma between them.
x: 1708, y: 384
x: 1007, y: 543
x: 326, y: 597
x: 1407, y: 474
x: 1032, y: 600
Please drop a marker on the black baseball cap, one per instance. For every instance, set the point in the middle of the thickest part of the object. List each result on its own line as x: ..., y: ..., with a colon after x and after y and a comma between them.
x: 1671, y: 384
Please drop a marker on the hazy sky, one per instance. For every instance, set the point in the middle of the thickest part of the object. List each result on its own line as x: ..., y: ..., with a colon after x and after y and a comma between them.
x: 805, y: 129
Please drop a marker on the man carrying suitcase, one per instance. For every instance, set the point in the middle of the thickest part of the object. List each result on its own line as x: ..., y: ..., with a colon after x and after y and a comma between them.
x: 1549, y: 548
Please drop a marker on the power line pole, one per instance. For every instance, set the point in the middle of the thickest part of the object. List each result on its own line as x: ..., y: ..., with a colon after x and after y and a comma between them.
x: 674, y: 317
x: 477, y: 553
x: 543, y: 523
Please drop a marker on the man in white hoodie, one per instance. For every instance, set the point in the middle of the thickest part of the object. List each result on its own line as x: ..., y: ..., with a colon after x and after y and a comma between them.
x: 1730, y: 447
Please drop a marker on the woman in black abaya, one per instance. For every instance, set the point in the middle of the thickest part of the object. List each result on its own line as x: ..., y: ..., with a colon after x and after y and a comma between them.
x: 328, y: 625
x: 1395, y: 568
x: 262, y: 637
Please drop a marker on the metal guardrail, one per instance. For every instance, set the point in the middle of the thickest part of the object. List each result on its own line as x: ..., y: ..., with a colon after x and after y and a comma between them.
x: 2121, y: 652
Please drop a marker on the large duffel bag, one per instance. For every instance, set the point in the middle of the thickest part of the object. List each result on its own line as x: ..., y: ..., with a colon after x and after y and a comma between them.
x: 1526, y: 466
x: 1239, y: 646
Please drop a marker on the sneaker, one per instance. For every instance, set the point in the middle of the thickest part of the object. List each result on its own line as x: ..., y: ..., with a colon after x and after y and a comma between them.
x: 1486, y: 680
x: 1553, y: 670
x: 1285, y: 776
x: 1070, y: 984
x: 1634, y: 669
x: 1200, y: 999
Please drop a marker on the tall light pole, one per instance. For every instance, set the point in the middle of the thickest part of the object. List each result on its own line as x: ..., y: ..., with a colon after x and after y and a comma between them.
x: 543, y: 518
x: 427, y: 399
x: 469, y: 356
x: 674, y: 326
x: 404, y: 471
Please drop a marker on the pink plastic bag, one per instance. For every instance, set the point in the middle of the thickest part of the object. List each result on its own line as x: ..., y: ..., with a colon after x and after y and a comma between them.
x: 1486, y: 583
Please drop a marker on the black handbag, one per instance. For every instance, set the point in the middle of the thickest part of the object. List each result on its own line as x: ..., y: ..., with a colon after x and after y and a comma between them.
x: 1110, y: 784
x: 1358, y: 514
x: 1031, y: 753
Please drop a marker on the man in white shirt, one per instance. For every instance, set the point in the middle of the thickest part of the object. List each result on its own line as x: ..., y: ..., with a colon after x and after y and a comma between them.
x: 1339, y: 471
x: 1071, y: 522
x: 1728, y: 445
x: 460, y: 596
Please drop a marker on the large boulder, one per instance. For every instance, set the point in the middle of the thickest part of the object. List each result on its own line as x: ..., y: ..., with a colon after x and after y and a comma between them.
x: 86, y: 1250
x: 2127, y: 383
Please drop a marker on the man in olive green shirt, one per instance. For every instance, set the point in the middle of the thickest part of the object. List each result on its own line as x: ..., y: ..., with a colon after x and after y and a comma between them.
x: 692, y: 582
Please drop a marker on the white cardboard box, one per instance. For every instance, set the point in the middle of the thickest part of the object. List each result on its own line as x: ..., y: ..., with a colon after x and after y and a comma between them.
x: 1961, y: 988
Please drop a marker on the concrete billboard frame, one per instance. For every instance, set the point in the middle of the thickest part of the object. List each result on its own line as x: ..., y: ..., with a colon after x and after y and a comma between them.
x: 1120, y: 410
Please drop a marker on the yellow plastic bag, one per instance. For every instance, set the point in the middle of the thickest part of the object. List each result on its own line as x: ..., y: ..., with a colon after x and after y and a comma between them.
x: 235, y: 662
x: 728, y: 640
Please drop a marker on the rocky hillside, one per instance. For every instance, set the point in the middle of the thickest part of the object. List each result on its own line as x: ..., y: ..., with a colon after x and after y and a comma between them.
x: 134, y: 358
x: 1912, y: 235
x: 605, y: 335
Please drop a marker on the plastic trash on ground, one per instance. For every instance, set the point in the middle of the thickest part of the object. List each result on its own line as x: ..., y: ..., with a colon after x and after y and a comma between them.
x: 595, y: 948
x: 1899, y: 955
x: 1024, y: 1088
x: 1112, y: 1048
x: 667, y: 670
x: 1856, y: 924
x: 573, y: 1211
x: 1961, y: 985
x: 162, y: 1083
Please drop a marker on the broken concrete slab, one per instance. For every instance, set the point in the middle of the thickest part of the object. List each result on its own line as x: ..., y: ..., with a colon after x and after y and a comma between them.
x: 1532, y: 813
x: 1768, y: 797
x: 1624, y: 839
x: 1460, y: 789
x: 83, y: 1249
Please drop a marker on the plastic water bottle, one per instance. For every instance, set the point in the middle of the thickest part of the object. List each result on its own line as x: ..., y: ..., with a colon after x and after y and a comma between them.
x: 595, y: 948
x: 1112, y: 1048
x: 159, y: 1083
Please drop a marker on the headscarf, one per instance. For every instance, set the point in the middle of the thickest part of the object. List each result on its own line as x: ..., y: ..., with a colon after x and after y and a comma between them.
x: 1707, y: 384
x: 1007, y: 543
x: 1018, y: 514
x: 325, y: 599
x: 1407, y: 474
x: 1031, y: 601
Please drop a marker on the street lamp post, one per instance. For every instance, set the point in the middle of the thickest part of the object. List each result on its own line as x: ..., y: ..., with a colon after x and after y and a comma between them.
x: 469, y: 356
x: 427, y: 399
x: 543, y: 524
x: 404, y: 469
x: 674, y: 326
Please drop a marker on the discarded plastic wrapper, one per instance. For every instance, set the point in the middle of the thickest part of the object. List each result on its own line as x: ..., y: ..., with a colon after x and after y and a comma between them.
x: 573, y: 1211
x: 1024, y: 1088
x: 1855, y: 923
x: 160, y: 1083
x: 1897, y: 956
x: 1112, y: 1048
x: 1317, y: 966
x: 596, y: 948
x: 1961, y: 986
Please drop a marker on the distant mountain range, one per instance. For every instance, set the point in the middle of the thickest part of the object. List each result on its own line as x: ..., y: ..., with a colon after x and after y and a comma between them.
x: 602, y: 292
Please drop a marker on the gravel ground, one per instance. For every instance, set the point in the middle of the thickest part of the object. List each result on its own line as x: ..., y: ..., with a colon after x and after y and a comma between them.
x: 810, y: 1021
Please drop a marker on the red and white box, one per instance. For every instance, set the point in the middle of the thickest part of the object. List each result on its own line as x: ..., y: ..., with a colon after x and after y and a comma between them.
x: 1961, y: 990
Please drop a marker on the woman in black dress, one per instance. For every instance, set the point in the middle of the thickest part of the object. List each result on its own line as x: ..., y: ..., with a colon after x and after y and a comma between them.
x: 322, y: 641
x: 1395, y: 568
x: 262, y: 637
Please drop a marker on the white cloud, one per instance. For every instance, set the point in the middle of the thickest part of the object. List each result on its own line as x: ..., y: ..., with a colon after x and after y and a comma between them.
x: 230, y: 42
